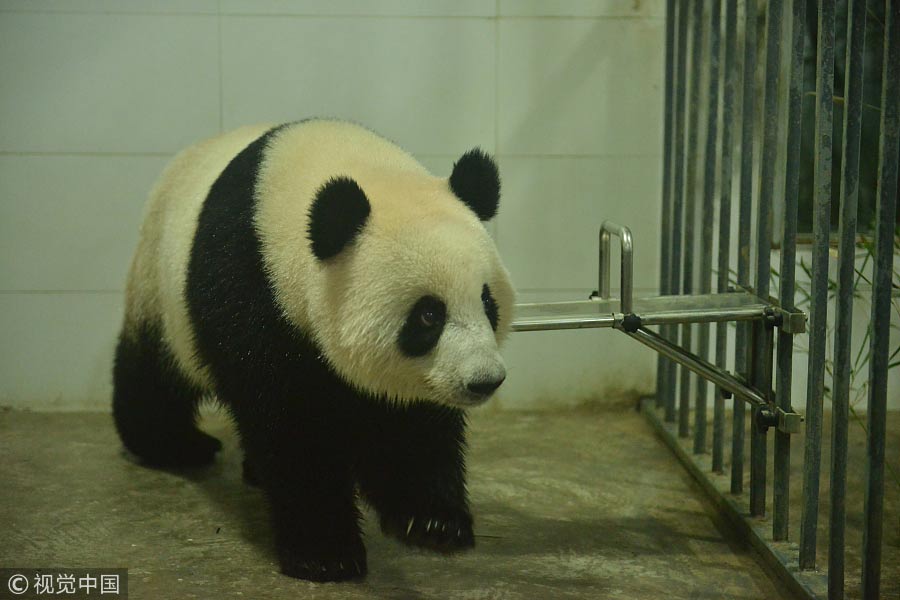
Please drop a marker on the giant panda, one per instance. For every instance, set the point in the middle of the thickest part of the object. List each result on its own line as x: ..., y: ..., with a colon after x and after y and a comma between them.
x: 345, y: 305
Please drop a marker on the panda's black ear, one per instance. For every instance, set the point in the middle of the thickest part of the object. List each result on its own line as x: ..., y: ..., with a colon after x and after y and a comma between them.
x: 337, y: 215
x: 476, y: 181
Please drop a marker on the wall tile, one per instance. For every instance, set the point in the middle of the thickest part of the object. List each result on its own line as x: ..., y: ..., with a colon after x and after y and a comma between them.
x: 71, y: 222
x: 394, y: 8
x: 107, y: 83
x: 553, y: 208
x: 582, y: 8
x: 57, y: 349
x: 554, y: 369
x: 113, y: 6
x: 575, y: 86
x: 438, y: 165
x: 428, y: 84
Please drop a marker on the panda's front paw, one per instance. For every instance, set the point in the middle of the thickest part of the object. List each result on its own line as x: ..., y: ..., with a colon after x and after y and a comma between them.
x: 351, y: 566
x: 445, y: 532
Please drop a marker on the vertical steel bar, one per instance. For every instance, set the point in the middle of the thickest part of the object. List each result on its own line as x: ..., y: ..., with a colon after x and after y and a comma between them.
x: 678, y: 183
x: 603, y: 275
x: 706, y: 216
x: 687, y: 284
x: 881, y: 301
x: 724, y: 262
x: 762, y: 332
x: 746, y: 200
x: 769, y: 155
x: 818, y: 313
x: 662, y: 363
x: 840, y: 402
x: 782, y: 458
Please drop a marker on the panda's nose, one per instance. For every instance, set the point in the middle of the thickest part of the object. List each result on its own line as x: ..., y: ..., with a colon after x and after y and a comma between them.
x: 485, y: 388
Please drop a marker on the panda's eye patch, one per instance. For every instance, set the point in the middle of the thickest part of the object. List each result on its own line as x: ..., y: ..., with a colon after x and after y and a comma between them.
x: 490, y: 306
x: 423, y: 326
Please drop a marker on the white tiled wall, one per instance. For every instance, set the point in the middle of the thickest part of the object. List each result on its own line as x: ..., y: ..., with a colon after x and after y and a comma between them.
x: 97, y: 94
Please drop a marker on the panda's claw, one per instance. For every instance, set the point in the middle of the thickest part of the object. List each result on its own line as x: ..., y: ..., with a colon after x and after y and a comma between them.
x: 324, y: 570
x: 448, y: 533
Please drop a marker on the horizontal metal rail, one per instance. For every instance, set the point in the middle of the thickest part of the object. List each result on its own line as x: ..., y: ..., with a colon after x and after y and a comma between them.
x: 564, y: 322
x: 657, y: 310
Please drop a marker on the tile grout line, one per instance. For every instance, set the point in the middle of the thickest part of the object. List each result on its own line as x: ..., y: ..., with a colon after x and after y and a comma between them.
x: 51, y: 153
x: 219, y: 64
x: 282, y: 15
x: 60, y: 292
x: 497, y: 101
x: 420, y: 154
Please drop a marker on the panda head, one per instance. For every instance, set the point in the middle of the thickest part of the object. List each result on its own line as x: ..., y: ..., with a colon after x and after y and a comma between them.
x: 414, y: 300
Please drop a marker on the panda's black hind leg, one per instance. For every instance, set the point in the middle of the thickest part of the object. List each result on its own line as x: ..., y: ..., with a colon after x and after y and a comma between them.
x: 154, y: 406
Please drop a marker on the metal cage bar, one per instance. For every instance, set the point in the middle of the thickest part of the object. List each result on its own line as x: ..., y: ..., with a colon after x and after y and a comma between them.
x: 724, y: 261
x: 690, y: 210
x: 743, y: 258
x: 886, y: 215
x: 762, y: 332
x: 819, y: 286
x: 678, y: 184
x: 840, y: 399
x: 787, y: 266
x: 707, y: 213
x: 663, y: 364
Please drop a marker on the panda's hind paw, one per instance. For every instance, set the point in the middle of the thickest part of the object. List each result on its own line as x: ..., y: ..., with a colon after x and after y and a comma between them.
x: 445, y: 533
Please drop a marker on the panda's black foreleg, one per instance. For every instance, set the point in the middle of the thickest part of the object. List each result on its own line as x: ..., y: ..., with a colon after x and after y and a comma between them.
x: 301, y: 460
x: 154, y: 406
x: 412, y: 471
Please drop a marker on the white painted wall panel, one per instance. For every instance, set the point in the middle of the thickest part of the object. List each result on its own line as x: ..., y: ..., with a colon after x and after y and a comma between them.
x: 107, y: 83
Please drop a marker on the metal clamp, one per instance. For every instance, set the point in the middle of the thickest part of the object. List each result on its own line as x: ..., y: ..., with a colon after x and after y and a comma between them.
x: 790, y: 320
x: 627, y: 272
x: 627, y: 322
x: 785, y: 422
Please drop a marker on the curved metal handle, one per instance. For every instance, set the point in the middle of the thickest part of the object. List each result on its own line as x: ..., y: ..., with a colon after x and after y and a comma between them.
x: 627, y: 274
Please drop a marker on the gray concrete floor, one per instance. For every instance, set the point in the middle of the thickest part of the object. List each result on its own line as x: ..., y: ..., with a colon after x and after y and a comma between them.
x: 579, y: 504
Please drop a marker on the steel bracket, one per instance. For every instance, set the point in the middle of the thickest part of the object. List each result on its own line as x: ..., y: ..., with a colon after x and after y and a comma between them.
x: 783, y: 421
x: 788, y: 422
x: 791, y: 321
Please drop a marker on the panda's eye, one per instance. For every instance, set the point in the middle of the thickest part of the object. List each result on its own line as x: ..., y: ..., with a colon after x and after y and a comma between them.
x: 428, y: 318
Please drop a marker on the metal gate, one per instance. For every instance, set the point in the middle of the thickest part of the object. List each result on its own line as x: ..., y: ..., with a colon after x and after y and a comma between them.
x: 693, y: 192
